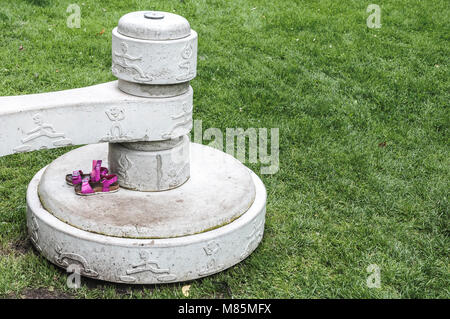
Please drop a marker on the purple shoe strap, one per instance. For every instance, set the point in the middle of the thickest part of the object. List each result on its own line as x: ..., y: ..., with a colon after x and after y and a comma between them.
x: 76, y: 177
x: 95, y: 174
x: 103, y: 171
x: 86, y: 187
x: 108, y: 181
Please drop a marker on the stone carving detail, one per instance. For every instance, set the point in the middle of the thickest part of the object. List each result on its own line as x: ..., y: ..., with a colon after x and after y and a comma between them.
x: 34, y: 236
x: 185, y: 65
x: 63, y: 259
x: 174, y: 177
x: 211, y: 250
x: 41, y: 131
x: 254, y: 238
x: 158, y: 171
x: 147, y: 265
x: 187, y: 51
x: 116, y: 132
x: 123, y: 165
x: 122, y: 62
x: 185, y: 123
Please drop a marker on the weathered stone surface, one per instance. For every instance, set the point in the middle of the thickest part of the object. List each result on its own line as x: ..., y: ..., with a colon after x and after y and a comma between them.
x: 146, y: 90
x: 99, y: 113
x: 142, y: 169
x: 154, y: 25
x: 153, y: 61
x: 145, y: 261
x: 220, y: 190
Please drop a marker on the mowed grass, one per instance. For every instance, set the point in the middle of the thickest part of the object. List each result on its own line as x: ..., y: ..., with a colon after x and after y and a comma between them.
x: 364, y: 138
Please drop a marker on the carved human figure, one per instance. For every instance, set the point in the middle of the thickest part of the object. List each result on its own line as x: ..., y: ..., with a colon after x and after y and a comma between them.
x: 146, y: 265
x: 126, y: 61
x: 185, y: 121
x: 42, y: 129
x: 116, y: 115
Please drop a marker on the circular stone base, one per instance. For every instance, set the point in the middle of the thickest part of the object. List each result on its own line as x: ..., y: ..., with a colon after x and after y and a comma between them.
x: 146, y: 261
x: 219, y: 190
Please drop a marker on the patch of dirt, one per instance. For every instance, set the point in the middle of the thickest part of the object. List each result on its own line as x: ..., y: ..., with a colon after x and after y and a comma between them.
x: 40, y: 293
x: 22, y: 246
x: 124, y: 290
x: 223, y: 290
x: 121, y: 289
x: 18, y: 247
x: 3, y: 251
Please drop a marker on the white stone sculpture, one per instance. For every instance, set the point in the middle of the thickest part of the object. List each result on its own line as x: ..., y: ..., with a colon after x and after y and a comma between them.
x: 185, y: 210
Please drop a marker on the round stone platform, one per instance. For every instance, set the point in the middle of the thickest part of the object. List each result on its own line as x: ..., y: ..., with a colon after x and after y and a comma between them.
x: 149, y: 261
x: 220, y: 190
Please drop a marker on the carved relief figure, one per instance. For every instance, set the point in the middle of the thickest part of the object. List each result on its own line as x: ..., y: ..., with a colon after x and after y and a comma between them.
x: 174, y: 175
x: 116, y: 132
x: 184, y: 124
x: 211, y: 250
x: 127, y: 63
x: 65, y: 259
x: 255, y: 237
x: 124, y: 164
x: 42, y: 130
x: 185, y: 66
x: 158, y: 171
x: 34, y: 236
x: 187, y: 51
x: 148, y: 265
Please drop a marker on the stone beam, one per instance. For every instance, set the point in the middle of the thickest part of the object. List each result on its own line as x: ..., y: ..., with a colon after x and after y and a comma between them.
x: 95, y: 114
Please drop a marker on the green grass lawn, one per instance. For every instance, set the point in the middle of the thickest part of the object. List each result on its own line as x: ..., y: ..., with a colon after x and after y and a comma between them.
x: 364, y: 142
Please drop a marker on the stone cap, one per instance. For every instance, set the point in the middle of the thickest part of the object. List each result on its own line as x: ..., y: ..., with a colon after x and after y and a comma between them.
x: 154, y: 25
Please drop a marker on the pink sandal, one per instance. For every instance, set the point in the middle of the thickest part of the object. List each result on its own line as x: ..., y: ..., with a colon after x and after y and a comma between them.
x: 97, y: 173
x: 108, y: 184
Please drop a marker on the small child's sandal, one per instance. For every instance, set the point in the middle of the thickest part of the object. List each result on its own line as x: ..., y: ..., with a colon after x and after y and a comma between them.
x: 97, y: 173
x: 75, y: 178
x: 108, y: 184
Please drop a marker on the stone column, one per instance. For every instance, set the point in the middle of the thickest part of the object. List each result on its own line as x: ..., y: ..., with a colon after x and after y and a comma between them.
x: 154, y: 56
